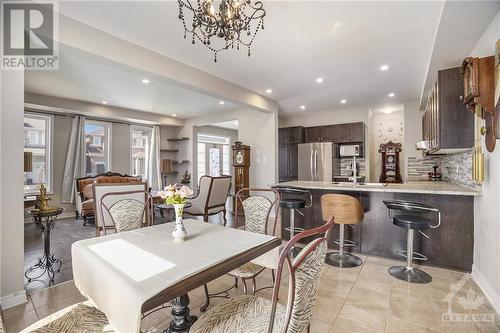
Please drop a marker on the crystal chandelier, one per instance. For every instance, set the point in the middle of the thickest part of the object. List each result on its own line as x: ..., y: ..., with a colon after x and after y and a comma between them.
x: 229, y: 21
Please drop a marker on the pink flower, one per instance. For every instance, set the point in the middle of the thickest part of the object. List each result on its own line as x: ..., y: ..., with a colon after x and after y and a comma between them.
x: 184, y: 192
x: 170, y: 187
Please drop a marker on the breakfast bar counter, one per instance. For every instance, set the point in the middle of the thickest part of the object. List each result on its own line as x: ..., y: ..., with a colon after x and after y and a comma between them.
x: 450, y: 245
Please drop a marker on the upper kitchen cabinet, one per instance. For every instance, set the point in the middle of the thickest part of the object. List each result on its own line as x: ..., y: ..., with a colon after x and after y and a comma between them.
x: 351, y: 132
x: 291, y: 135
x: 447, y: 127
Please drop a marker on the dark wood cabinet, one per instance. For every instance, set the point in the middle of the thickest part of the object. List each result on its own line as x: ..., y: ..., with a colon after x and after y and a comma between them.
x: 289, y: 138
x: 446, y: 123
x: 339, y: 133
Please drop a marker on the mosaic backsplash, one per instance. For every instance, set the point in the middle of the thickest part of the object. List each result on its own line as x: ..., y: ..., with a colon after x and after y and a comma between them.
x: 345, y: 166
x: 456, y: 168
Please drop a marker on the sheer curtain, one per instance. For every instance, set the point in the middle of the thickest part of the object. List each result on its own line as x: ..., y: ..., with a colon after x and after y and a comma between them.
x: 74, y: 162
x: 153, y: 168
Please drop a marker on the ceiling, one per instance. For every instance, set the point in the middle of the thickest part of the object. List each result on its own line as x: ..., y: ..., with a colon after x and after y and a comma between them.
x: 343, y: 42
x: 230, y: 124
x: 85, y: 77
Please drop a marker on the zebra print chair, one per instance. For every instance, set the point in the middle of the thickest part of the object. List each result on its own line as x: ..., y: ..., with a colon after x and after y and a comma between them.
x: 257, y: 204
x: 126, y: 210
x: 251, y: 314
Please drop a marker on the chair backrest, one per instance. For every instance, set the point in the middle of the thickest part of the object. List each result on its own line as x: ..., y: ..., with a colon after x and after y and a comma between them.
x: 345, y: 208
x: 113, y: 201
x: 305, y: 271
x: 257, y: 204
x: 293, y: 192
x: 215, y: 189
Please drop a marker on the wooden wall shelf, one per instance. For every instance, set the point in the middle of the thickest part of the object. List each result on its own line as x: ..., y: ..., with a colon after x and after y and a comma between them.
x: 178, y: 139
x: 170, y: 150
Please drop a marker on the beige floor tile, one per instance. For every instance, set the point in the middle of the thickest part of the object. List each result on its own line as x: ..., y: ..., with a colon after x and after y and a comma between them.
x: 327, y: 307
x: 369, y: 300
x: 54, y: 293
x: 362, y: 316
x: 349, y: 324
x: 338, y: 287
x: 395, y: 325
x: 19, y: 317
x: 417, y: 313
x: 317, y: 326
x: 420, y: 293
x: 58, y: 304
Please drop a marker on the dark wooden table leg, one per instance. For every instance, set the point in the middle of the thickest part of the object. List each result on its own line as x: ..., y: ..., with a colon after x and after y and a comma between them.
x: 180, y: 312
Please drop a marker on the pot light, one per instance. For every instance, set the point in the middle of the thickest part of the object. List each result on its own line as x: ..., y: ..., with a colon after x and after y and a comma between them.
x: 343, y: 101
x: 221, y: 102
x: 384, y: 67
x: 145, y: 81
x: 319, y: 80
x: 387, y: 110
x: 391, y: 95
x: 174, y: 114
x: 104, y: 102
x: 269, y: 91
x: 302, y: 107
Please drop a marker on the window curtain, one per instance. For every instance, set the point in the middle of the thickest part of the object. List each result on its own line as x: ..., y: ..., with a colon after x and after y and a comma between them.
x: 74, y: 162
x: 153, y: 167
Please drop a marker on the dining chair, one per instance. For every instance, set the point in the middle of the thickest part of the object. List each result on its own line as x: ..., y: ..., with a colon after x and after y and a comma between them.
x: 122, y: 207
x: 252, y: 314
x: 211, y: 197
x: 257, y: 204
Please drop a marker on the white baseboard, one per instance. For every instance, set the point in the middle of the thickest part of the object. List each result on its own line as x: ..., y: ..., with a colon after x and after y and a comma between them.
x: 490, y: 293
x: 14, y: 299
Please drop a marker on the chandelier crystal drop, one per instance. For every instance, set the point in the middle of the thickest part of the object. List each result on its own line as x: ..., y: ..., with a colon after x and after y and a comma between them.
x: 223, y: 24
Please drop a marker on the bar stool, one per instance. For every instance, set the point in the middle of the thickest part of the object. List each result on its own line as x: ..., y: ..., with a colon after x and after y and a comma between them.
x: 345, y: 209
x: 300, y: 199
x: 410, y: 217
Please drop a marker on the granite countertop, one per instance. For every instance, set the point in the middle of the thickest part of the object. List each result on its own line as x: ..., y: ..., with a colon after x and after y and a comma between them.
x: 426, y: 187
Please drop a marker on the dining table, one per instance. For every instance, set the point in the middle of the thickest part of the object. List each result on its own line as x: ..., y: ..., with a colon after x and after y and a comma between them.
x: 129, y: 273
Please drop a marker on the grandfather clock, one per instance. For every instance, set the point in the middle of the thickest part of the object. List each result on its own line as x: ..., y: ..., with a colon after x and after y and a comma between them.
x: 390, y: 162
x: 241, y: 164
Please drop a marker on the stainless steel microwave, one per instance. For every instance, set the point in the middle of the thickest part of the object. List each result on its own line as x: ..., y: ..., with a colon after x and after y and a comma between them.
x: 349, y: 150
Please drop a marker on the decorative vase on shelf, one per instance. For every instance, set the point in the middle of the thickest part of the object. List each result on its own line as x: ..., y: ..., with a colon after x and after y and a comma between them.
x: 179, y: 232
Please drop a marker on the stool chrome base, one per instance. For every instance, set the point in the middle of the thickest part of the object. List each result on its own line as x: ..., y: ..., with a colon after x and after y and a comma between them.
x: 412, y: 275
x: 343, y: 260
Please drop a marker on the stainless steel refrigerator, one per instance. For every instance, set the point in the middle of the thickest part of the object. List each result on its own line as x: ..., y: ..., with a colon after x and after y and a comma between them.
x: 315, y: 161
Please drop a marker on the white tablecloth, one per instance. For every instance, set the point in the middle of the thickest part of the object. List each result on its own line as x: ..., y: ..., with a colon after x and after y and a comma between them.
x: 119, y: 272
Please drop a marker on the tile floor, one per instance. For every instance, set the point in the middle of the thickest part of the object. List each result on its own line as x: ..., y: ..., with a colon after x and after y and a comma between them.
x: 362, y: 299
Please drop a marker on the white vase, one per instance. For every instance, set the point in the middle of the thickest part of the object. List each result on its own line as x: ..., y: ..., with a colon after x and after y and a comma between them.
x: 179, y: 232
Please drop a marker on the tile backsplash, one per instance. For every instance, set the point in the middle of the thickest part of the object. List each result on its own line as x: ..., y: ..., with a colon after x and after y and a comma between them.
x: 456, y: 168
x: 344, y: 164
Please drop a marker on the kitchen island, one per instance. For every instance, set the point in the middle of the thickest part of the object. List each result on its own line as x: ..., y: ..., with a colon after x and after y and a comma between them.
x: 450, y: 245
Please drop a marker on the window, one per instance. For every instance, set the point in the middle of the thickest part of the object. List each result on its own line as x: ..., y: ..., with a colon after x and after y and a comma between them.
x: 213, y: 150
x: 140, y: 137
x: 38, y: 141
x: 97, y: 147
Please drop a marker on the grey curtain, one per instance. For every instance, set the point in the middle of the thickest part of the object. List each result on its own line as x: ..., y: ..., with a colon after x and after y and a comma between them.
x: 153, y: 167
x: 74, y: 161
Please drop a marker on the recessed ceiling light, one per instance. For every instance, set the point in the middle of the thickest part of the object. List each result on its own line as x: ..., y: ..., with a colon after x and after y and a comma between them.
x: 319, y: 80
x: 104, y: 102
x: 391, y: 94
x: 343, y: 101
x: 145, y: 81
x: 388, y: 110
x: 384, y: 67
x: 269, y: 91
x: 174, y: 114
x: 221, y: 102
x: 302, y: 107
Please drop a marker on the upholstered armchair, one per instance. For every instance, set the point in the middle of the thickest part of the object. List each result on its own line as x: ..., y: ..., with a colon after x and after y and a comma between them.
x: 211, y: 197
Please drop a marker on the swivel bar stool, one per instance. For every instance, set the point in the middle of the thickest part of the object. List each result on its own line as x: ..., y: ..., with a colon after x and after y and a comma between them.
x: 410, y: 217
x: 296, y: 199
x: 345, y: 209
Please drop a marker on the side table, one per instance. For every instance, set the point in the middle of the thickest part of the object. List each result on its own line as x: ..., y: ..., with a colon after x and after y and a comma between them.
x: 44, y: 220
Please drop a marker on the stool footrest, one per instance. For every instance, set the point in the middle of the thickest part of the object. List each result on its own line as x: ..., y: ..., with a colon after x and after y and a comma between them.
x: 296, y: 229
x: 347, y: 242
x: 416, y: 255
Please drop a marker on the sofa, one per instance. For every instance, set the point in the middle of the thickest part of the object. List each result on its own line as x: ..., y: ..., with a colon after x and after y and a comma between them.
x: 85, y: 195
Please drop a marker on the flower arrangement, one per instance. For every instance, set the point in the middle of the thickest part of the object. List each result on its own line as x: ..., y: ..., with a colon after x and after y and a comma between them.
x: 172, y: 195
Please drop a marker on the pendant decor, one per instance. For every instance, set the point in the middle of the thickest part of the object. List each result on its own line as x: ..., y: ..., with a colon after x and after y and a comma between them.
x: 223, y: 24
